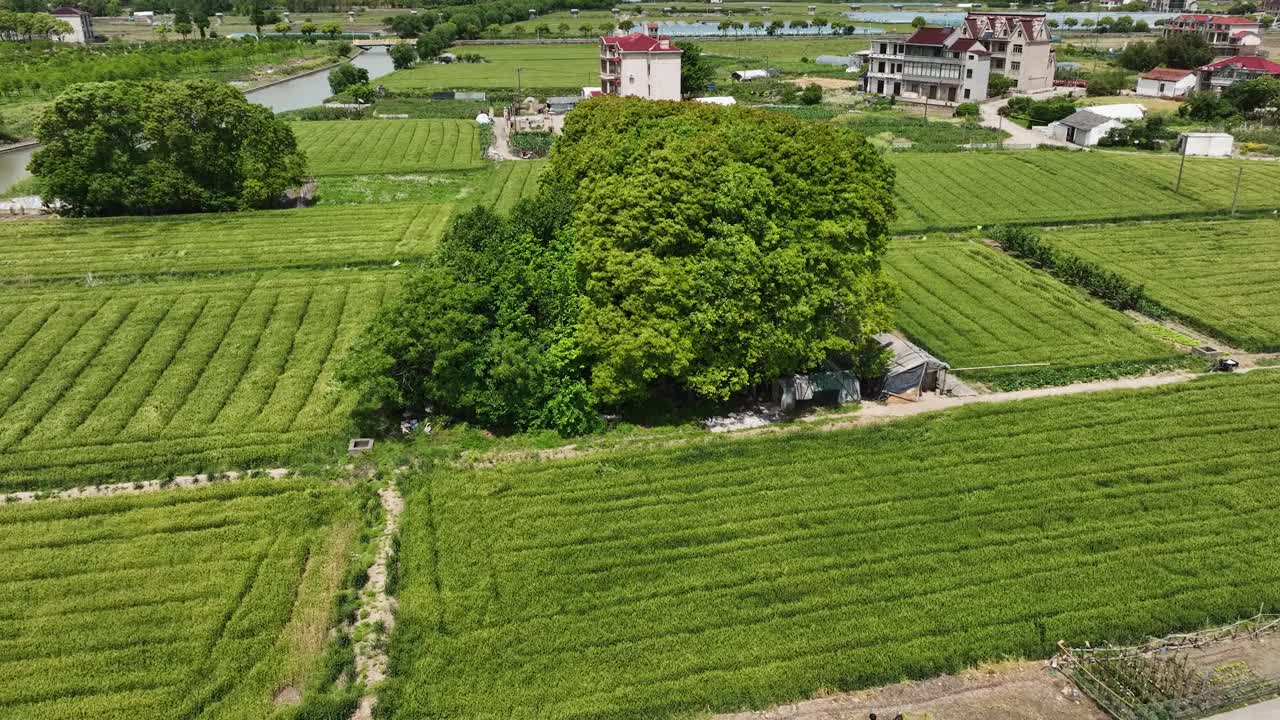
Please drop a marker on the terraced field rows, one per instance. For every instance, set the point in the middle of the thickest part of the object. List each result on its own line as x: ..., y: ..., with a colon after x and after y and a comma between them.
x: 547, y: 67
x: 196, y: 604
x: 136, y: 381
x: 513, y: 181
x: 745, y: 572
x: 973, y: 306
x: 964, y: 190
x: 342, y: 147
x: 267, y: 240
x: 1222, y: 277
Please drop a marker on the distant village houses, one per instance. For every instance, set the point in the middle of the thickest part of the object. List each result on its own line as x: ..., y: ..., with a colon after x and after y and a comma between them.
x: 1226, y: 34
x: 1228, y: 71
x: 953, y: 65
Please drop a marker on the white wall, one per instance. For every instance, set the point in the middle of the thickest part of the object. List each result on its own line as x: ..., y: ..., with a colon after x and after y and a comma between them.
x: 1085, y: 138
x: 1211, y: 144
x: 1153, y: 88
x: 656, y: 76
x: 77, y: 34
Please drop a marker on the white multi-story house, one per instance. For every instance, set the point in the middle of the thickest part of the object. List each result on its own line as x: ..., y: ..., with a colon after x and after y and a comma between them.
x: 954, y: 64
x: 640, y: 65
x: 931, y: 64
x: 1226, y: 34
x: 81, y: 24
x: 1173, y: 6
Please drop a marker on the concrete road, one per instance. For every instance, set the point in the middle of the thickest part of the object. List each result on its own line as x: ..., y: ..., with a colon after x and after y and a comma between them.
x: 1019, y: 135
x: 1269, y: 710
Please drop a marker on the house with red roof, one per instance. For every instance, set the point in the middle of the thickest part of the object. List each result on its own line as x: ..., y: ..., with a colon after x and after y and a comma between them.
x: 1227, y: 71
x: 1226, y: 34
x: 954, y: 64
x: 640, y: 65
x: 1167, y: 82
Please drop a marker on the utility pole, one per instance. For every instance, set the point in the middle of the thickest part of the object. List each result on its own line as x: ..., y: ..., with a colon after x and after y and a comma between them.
x: 1236, y: 195
x: 1181, y: 164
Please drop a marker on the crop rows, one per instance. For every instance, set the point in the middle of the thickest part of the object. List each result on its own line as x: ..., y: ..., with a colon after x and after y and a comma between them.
x: 973, y: 306
x: 267, y: 240
x: 339, y: 147
x: 1222, y: 277
x: 544, y: 67
x: 744, y: 572
x: 513, y: 181
x: 135, y: 381
x: 194, y: 604
x: 962, y: 190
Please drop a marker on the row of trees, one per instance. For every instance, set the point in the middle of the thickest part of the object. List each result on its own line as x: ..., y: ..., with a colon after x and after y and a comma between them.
x: 1255, y: 99
x: 1179, y: 50
x: 747, y: 246
x: 20, y: 26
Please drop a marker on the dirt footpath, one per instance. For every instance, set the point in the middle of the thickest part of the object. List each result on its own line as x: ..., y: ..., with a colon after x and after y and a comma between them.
x: 1009, y: 691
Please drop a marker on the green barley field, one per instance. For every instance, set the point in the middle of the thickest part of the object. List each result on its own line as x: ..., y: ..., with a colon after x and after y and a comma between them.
x: 964, y: 190
x: 186, y: 244
x: 559, y: 67
x: 498, y: 185
x: 126, y: 382
x: 974, y: 306
x: 737, y: 573
x: 343, y: 147
x: 1221, y: 277
x: 180, y: 604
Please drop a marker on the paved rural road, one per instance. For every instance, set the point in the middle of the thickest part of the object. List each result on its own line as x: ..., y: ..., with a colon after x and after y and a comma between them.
x: 1019, y: 135
x: 1262, y: 711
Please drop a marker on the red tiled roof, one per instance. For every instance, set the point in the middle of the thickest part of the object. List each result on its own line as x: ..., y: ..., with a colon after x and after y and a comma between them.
x: 929, y: 36
x: 967, y: 45
x: 1216, y: 19
x: 639, y: 42
x: 1242, y: 33
x: 1165, y: 74
x: 1244, y: 62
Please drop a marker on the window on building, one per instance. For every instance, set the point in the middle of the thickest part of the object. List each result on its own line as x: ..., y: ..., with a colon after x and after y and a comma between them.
x: 880, y: 67
x: 966, y: 93
x: 1015, y: 66
x: 1017, y: 48
x: 884, y: 48
x: 968, y: 73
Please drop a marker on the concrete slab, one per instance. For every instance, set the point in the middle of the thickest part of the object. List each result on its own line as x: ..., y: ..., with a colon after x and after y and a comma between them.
x: 1269, y: 710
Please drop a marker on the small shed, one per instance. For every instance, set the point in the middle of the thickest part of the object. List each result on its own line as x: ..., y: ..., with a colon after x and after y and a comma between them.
x: 1119, y: 111
x: 841, y: 60
x: 841, y: 386
x: 1083, y: 128
x: 912, y: 370
x: 562, y: 104
x: 717, y: 100
x: 1166, y: 82
x: 748, y: 75
x: 1206, y: 143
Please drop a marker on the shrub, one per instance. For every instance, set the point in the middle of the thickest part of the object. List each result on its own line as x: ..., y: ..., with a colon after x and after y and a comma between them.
x: 403, y: 56
x: 967, y: 110
x: 346, y: 75
x: 1108, y: 83
x: 811, y: 95
x: 998, y: 85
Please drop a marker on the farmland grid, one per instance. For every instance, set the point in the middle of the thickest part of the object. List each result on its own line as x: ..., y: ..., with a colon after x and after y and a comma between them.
x: 343, y: 147
x: 973, y: 306
x: 514, y: 180
x: 130, y: 382
x: 741, y: 573
x: 193, y: 604
x: 1221, y: 277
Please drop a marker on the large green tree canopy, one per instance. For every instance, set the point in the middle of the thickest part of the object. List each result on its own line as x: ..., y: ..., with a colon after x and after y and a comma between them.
x: 676, y: 250
x: 126, y: 147
x: 718, y: 248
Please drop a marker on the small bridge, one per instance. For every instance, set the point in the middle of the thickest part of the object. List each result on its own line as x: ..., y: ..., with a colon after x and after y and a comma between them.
x: 381, y: 41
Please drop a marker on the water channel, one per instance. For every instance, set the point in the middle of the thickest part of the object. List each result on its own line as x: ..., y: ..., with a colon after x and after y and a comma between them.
x: 292, y: 94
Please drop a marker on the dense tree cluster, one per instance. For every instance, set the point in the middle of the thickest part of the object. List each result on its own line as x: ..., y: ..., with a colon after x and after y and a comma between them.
x: 1257, y: 99
x: 1179, y: 50
x: 137, y: 148
x: 21, y: 26
x: 1040, y: 112
x: 346, y: 75
x: 676, y: 251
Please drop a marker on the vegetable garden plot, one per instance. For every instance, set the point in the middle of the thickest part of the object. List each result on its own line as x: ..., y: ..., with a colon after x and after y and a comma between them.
x: 962, y: 190
x: 551, y: 67
x: 1221, y: 277
x: 745, y: 572
x: 345, y: 147
x: 266, y: 240
x: 138, y: 381
x: 190, y: 604
x: 973, y: 306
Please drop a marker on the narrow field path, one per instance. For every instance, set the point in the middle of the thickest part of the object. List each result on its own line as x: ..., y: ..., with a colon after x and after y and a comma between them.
x: 1018, y: 135
x: 377, y: 614
x: 181, y: 482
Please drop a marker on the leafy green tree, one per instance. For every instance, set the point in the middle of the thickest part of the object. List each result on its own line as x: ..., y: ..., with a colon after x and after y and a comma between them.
x: 811, y: 95
x: 918, y: 21
x: 1185, y: 50
x: 1250, y: 95
x: 749, y: 248
x: 282, y: 27
x: 308, y: 30
x: 626, y: 25
x: 1141, y: 56
x: 696, y: 71
x: 403, y: 55
x: 150, y: 147
x: 346, y: 75
x: 1107, y: 83
x: 1207, y: 107
x: 967, y: 110
x: 163, y: 31
x: 257, y: 16
x: 542, y: 29
x: 605, y: 28
x: 563, y: 29
x: 998, y: 84
x: 332, y: 29
x: 585, y: 29
x: 775, y: 27
x: 1071, y: 22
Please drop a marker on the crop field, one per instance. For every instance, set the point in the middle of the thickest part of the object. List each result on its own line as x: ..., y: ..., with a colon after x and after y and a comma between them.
x: 744, y: 572
x: 1221, y: 277
x: 265, y: 240
x: 513, y: 180
x: 962, y: 190
x: 136, y: 381
x: 973, y: 306
x: 545, y: 66
x: 345, y: 147
x: 191, y: 604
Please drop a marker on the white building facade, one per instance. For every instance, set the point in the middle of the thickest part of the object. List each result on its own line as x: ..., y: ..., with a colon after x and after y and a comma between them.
x: 81, y: 24
x: 639, y: 65
x: 1166, y: 82
x: 933, y: 64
